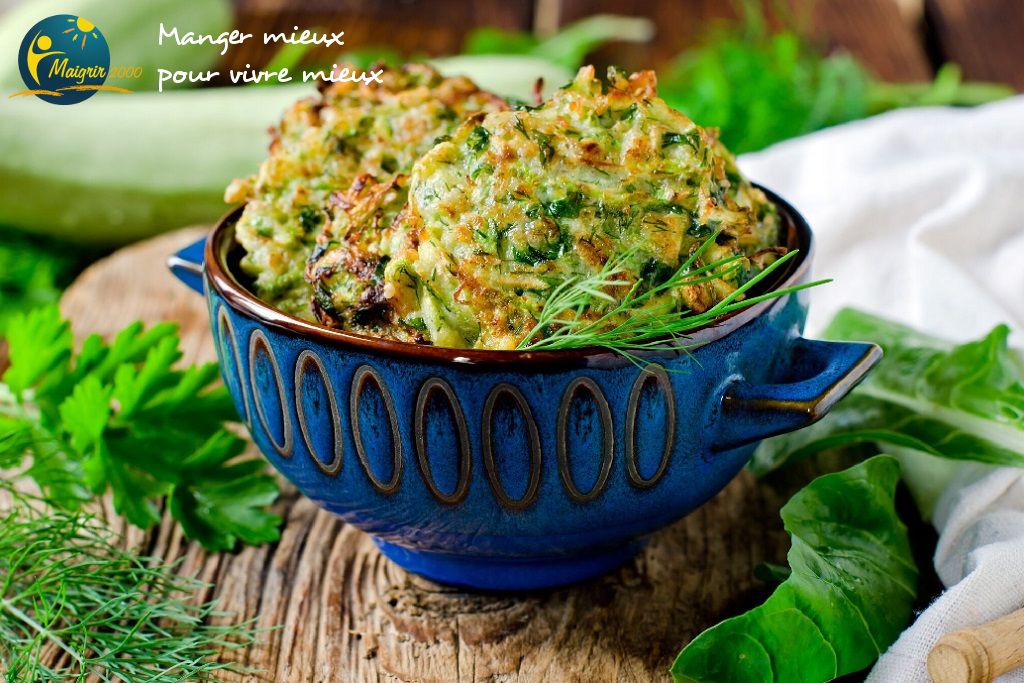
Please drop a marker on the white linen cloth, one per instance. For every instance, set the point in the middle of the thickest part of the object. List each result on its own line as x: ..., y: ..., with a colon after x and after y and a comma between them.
x: 919, y: 216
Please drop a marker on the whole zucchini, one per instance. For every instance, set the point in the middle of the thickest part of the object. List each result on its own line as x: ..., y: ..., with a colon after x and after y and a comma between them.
x: 506, y: 75
x: 117, y: 168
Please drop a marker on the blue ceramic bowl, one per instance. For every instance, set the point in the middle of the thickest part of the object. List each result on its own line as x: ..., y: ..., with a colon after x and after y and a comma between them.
x: 515, y: 470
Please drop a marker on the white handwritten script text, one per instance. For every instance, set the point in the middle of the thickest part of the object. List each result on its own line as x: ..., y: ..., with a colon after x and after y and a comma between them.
x: 228, y: 39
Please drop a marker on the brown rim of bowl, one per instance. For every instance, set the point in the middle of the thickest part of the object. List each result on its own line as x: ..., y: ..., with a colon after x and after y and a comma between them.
x: 220, y: 278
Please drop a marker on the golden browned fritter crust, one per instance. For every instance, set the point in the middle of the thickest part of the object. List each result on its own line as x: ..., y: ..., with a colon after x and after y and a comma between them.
x: 347, y: 135
x: 516, y: 202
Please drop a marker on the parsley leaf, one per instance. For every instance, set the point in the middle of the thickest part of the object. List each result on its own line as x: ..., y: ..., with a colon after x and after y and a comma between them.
x: 478, y: 139
x: 85, y: 413
x: 121, y: 417
x: 33, y: 271
x: 38, y: 344
x: 218, y: 502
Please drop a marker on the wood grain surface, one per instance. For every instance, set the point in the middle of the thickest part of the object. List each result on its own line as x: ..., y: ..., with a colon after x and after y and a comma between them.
x: 979, y: 654
x: 874, y: 31
x: 338, y: 611
x: 986, y: 37
x: 412, y: 27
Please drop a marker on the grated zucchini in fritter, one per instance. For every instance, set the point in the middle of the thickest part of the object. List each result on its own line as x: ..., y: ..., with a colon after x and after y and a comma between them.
x: 346, y: 149
x: 518, y: 201
x: 426, y: 210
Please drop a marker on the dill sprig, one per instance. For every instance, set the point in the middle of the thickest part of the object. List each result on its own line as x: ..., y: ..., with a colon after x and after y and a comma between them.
x: 631, y: 323
x: 74, y: 606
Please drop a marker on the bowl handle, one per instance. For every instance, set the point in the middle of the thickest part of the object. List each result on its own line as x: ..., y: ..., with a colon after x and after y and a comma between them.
x: 818, y: 375
x: 187, y: 264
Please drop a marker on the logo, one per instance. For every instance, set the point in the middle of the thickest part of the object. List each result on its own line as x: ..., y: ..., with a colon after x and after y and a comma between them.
x: 64, y: 59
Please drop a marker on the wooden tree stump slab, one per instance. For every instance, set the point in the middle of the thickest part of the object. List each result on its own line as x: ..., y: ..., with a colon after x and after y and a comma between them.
x: 339, y: 611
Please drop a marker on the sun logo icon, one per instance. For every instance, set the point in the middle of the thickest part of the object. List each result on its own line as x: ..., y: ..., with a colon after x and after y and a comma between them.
x: 64, y: 59
x: 82, y: 26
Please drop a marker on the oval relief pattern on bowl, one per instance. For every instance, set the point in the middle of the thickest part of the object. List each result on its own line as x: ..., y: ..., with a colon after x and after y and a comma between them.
x: 581, y: 393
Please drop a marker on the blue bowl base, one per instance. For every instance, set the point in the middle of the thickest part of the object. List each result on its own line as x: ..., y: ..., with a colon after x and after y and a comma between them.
x: 501, y: 574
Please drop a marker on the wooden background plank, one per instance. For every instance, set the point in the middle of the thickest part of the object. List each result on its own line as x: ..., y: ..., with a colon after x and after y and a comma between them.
x: 875, y: 31
x: 677, y: 25
x: 986, y: 37
x: 900, y: 40
x: 415, y: 27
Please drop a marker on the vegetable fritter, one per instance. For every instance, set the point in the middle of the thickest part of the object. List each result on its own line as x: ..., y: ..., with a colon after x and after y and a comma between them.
x: 331, y: 149
x: 516, y: 202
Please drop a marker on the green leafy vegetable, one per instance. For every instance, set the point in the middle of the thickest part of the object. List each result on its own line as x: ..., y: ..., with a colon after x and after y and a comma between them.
x: 66, y: 589
x: 121, y: 417
x: 510, y: 63
x: 760, y: 88
x: 512, y: 76
x: 478, y: 139
x: 964, y: 402
x: 947, y: 89
x: 580, y: 313
x: 32, y: 273
x: 288, y: 56
x: 848, y: 596
x: 568, y: 46
x: 367, y: 56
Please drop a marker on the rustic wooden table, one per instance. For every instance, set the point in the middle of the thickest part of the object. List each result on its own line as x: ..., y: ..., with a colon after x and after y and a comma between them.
x: 338, y: 611
x: 344, y: 613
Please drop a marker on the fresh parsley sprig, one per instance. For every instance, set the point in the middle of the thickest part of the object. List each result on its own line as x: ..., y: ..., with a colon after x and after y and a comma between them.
x: 121, y: 417
x: 33, y: 271
x: 582, y: 312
